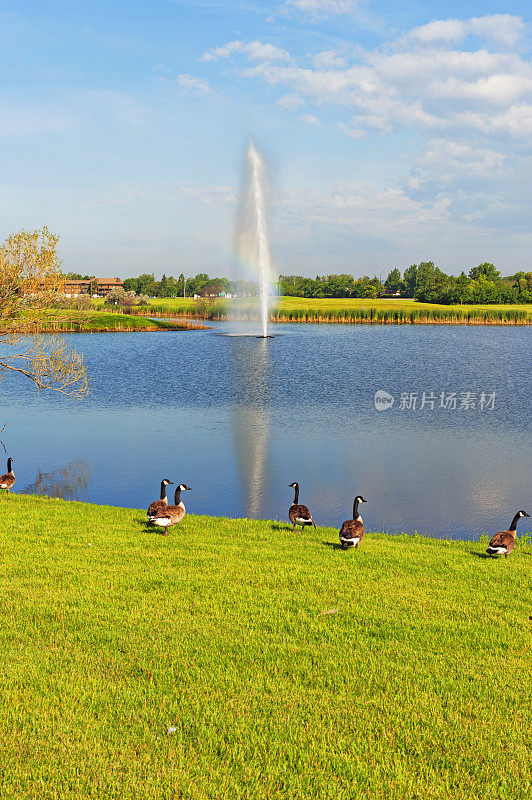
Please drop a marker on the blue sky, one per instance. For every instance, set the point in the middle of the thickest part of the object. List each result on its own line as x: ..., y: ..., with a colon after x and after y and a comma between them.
x: 394, y: 132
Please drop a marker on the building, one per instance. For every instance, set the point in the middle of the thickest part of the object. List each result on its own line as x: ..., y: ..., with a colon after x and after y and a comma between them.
x: 101, y: 286
x: 75, y: 288
x: 104, y: 285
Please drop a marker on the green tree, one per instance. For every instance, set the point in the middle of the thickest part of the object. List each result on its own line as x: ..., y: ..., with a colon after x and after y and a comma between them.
x: 410, y: 280
x: 145, y: 284
x: 489, y: 271
x: 393, y: 282
x: 131, y: 285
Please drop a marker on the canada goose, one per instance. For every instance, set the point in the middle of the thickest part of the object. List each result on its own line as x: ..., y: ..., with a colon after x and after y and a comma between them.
x: 504, y: 542
x: 163, y: 502
x: 171, y: 515
x: 7, y: 481
x: 352, y: 531
x: 298, y: 514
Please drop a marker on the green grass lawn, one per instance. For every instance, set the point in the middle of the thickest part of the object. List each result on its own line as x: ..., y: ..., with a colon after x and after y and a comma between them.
x: 97, y: 321
x: 101, y: 320
x: 111, y: 634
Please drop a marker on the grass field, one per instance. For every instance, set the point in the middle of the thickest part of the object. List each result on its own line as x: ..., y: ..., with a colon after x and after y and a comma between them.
x: 97, y: 322
x: 202, y: 665
x: 298, y: 309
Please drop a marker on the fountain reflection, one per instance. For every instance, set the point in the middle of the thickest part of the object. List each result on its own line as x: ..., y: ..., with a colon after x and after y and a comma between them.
x: 250, y: 365
x: 67, y: 483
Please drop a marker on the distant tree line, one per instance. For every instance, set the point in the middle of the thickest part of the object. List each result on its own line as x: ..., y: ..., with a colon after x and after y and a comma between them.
x: 200, y: 284
x: 424, y: 282
x: 329, y: 286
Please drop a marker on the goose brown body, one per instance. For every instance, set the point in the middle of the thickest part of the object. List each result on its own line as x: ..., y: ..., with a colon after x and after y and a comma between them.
x: 167, y: 516
x: 299, y: 514
x: 503, y: 542
x: 352, y: 530
x: 162, y: 503
x: 7, y: 480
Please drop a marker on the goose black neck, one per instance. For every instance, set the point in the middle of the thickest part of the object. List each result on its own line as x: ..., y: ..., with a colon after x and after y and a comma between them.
x: 515, y: 520
x: 296, y: 494
x: 355, y: 508
x: 9, y: 460
x: 163, y: 490
x: 177, y: 497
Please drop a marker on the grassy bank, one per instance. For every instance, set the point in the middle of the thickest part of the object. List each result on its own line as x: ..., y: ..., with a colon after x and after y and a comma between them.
x: 416, y: 687
x: 96, y: 322
x: 356, y: 311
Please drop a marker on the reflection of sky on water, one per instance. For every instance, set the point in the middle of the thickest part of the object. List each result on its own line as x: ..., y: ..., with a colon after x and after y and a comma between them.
x: 239, y: 419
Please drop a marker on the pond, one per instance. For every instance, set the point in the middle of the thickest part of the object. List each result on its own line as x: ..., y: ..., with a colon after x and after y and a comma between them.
x: 238, y: 419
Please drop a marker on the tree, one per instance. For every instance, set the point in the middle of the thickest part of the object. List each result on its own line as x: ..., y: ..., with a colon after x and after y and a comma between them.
x: 131, y: 284
x: 145, y: 284
x: 410, y: 279
x: 462, y: 288
x: 126, y: 300
x: 489, y: 271
x: 393, y: 282
x: 30, y: 278
x: 431, y: 282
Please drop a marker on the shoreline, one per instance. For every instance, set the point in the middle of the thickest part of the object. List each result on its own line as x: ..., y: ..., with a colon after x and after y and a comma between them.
x: 274, y: 523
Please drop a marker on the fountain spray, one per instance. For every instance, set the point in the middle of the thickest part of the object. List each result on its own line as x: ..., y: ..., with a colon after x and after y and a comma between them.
x: 257, y: 234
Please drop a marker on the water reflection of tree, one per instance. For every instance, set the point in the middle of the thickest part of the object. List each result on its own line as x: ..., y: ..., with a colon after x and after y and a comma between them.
x: 67, y: 483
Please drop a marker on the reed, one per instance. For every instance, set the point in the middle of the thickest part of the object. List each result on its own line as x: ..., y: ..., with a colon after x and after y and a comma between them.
x: 355, y: 312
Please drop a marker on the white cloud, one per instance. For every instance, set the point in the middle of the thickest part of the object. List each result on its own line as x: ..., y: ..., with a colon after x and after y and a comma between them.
x: 464, y: 106
x: 362, y: 207
x: 411, y: 85
x: 193, y: 84
x: 487, y: 187
x: 502, y: 28
x: 290, y: 101
x: 322, y: 8
x: 448, y: 159
x: 310, y: 119
x: 354, y: 206
x: 353, y: 133
x: 255, y: 51
x: 329, y: 59
x: 126, y: 201
x: 218, y: 196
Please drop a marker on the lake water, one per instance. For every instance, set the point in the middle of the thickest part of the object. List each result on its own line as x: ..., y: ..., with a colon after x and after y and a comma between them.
x: 238, y: 419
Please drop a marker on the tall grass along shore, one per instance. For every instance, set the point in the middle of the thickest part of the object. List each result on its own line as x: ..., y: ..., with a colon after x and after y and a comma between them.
x: 236, y: 659
x: 348, y: 311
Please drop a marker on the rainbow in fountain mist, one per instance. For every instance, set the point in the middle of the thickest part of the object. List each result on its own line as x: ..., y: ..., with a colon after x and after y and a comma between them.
x: 254, y: 247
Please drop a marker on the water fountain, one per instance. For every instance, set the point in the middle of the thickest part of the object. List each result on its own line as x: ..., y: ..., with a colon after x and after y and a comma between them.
x: 253, y: 245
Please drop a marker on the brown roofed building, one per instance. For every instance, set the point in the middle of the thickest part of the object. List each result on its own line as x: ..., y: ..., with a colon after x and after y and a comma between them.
x: 75, y: 288
x: 104, y: 285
